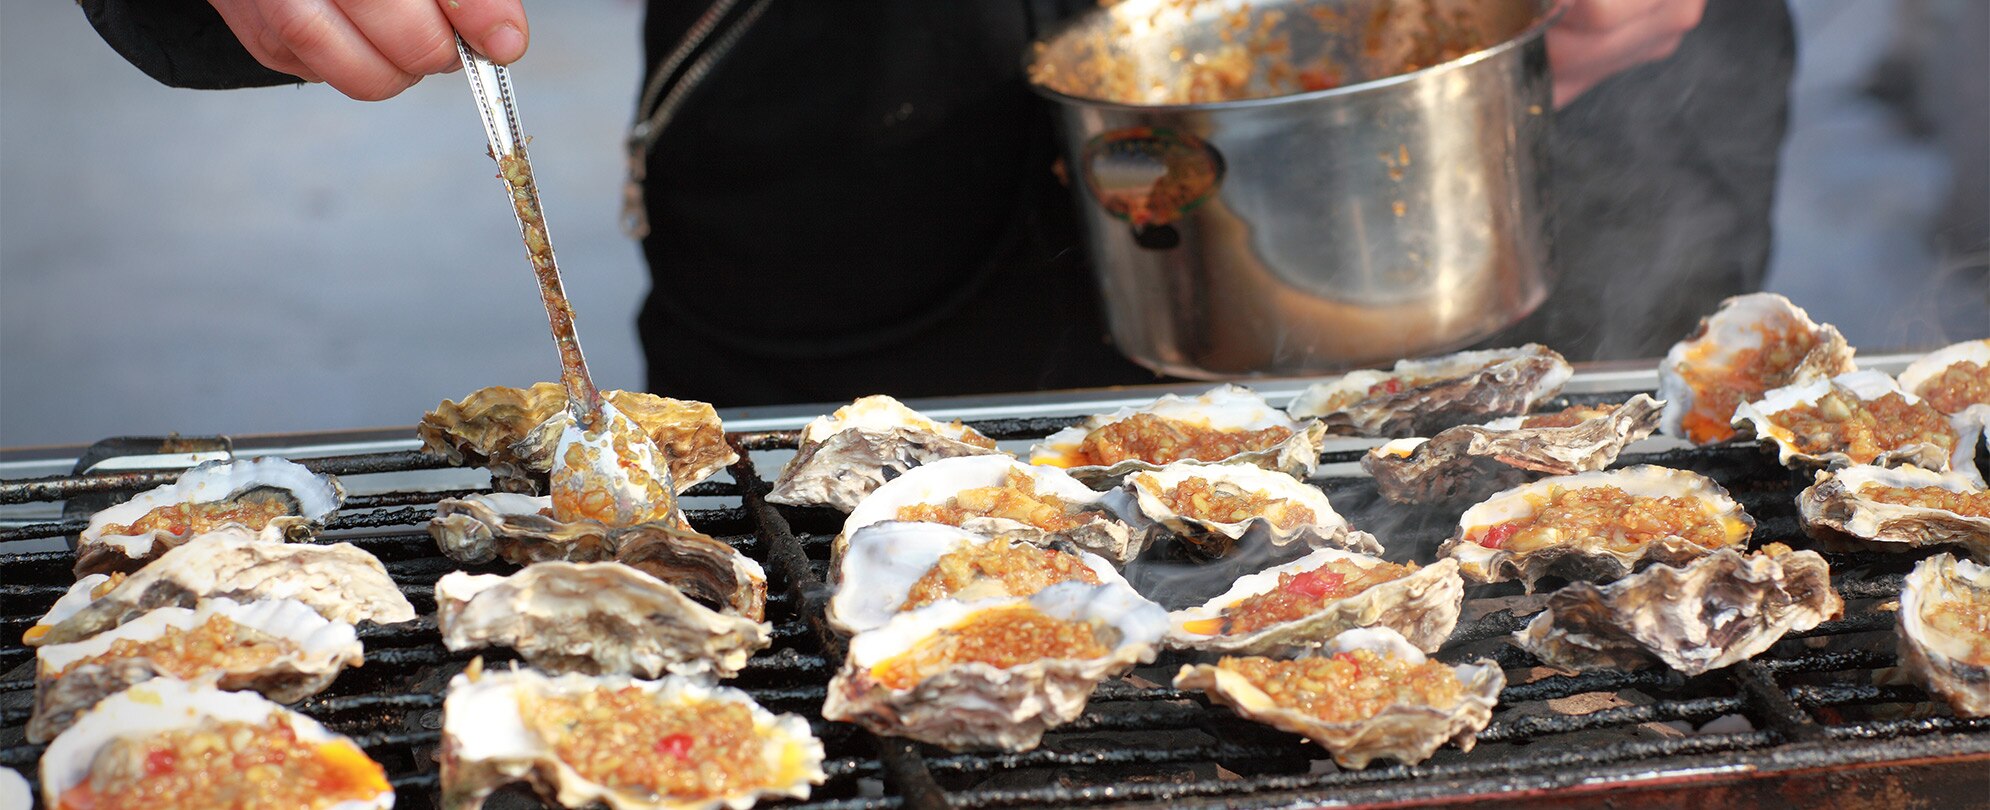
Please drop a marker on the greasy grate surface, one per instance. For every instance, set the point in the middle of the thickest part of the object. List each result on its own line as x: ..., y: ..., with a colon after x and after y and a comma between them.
x: 1820, y: 699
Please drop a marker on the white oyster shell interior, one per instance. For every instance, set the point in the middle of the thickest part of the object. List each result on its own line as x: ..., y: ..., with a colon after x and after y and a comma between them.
x: 1761, y: 417
x: 1227, y: 407
x: 314, y: 498
x: 938, y: 482
x: 884, y: 561
x: 1147, y: 490
x: 1718, y: 344
x: 1423, y: 607
x: 1954, y: 665
x: 846, y: 455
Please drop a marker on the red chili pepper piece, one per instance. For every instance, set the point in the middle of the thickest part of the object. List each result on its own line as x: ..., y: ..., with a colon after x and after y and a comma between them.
x: 1499, y: 534
x: 1350, y: 660
x: 676, y: 745
x: 1389, y: 386
x: 160, y: 762
x: 1315, y: 584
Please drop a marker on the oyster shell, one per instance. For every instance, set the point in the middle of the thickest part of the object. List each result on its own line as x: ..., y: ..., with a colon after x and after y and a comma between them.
x: 1227, y: 409
x: 164, y: 705
x: 306, y: 499
x: 1717, y: 610
x: 846, y: 455
x: 595, y: 619
x: 1473, y: 461
x: 1422, y: 607
x: 1406, y: 731
x: 1294, y: 511
x: 1723, y: 363
x: 1945, y: 631
x: 493, y: 734
x: 340, y: 581
x: 1421, y: 397
x: 1843, y: 502
x: 1594, y: 558
x: 1099, y: 530
x: 14, y: 792
x: 877, y: 573
x: 513, y: 432
x: 1768, y: 419
x: 979, y: 705
x: 522, y: 530
x: 1922, y: 377
x: 314, y: 651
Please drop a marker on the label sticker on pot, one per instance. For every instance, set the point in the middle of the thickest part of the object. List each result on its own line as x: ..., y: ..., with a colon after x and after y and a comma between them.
x: 1150, y: 176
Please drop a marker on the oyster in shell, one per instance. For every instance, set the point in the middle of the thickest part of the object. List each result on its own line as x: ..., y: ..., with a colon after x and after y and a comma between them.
x: 1304, y: 603
x: 521, y: 529
x: 1212, y: 508
x: 275, y: 498
x: 280, y: 648
x: 1425, y: 710
x: 14, y: 790
x: 1473, y: 461
x: 597, y: 619
x: 1908, y: 506
x: 846, y: 455
x: 1225, y: 424
x: 340, y: 581
x: 1859, y: 418
x: 1717, y: 610
x: 998, y: 495
x: 513, y: 431
x: 994, y: 673
x: 1945, y: 631
x: 1752, y: 344
x: 579, y: 740
x: 1953, y: 379
x: 1595, y: 526
x: 888, y: 562
x: 108, y: 746
x: 1421, y: 397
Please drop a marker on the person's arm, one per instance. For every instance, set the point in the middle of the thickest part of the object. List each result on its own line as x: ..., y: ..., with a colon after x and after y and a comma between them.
x: 1597, y: 39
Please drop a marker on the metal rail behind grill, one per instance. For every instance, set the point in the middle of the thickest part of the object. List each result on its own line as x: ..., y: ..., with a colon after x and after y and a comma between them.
x: 1818, y: 706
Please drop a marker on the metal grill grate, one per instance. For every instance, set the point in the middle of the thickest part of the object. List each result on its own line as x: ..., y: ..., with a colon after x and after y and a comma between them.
x: 1823, y: 702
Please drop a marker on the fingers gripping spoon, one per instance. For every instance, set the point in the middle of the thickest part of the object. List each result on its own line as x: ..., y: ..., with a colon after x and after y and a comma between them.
x: 605, y: 468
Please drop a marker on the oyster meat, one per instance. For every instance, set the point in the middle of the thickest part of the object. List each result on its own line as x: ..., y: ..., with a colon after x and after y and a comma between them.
x: 993, y: 495
x: 1213, y: 507
x: 277, y: 499
x: 1907, y: 506
x: 1421, y: 397
x: 340, y: 581
x: 893, y: 567
x: 192, y: 734
x: 621, y: 742
x: 280, y: 648
x: 1752, y: 344
x: 599, y: 619
x: 1302, y: 604
x: 1953, y: 379
x: 1225, y: 424
x: 514, y: 431
x: 1859, y: 418
x: 846, y: 455
x: 1473, y: 461
x: 1945, y: 631
x: 1419, y: 705
x: 993, y: 673
x: 1595, y: 526
x: 1717, y: 610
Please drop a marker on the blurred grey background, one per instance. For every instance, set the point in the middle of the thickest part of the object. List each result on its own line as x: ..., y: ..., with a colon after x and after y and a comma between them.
x: 286, y: 259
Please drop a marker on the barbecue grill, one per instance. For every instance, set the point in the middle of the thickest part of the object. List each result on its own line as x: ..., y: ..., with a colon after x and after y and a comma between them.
x: 1821, y: 718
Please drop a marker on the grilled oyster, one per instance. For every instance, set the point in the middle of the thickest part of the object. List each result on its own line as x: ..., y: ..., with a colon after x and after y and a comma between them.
x: 1953, y: 379
x: 1714, y: 611
x: 1859, y: 418
x: 193, y: 735
x: 994, y: 673
x: 513, y: 432
x: 1945, y: 631
x: 280, y: 648
x: 277, y: 499
x: 522, y: 529
x: 1595, y: 526
x: 846, y: 455
x: 14, y: 790
x: 340, y: 581
x: 894, y: 566
x: 1225, y: 424
x: 1908, y: 506
x: 1752, y: 344
x: 1421, y: 397
x: 1473, y: 461
x: 1420, y: 704
x: 1301, y: 604
x: 993, y: 495
x: 1214, y: 507
x: 596, y: 619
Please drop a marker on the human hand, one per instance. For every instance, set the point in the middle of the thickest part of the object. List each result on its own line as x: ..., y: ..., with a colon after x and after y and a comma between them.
x: 1597, y: 39
x: 373, y: 49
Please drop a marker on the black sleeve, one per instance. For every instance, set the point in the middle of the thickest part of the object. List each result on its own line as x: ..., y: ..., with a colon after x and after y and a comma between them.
x: 181, y: 43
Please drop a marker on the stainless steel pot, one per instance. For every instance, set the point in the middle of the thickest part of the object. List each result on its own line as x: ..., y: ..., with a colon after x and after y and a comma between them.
x: 1393, y: 214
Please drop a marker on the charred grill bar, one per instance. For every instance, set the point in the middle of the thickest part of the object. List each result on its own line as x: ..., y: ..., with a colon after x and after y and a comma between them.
x: 1819, y: 716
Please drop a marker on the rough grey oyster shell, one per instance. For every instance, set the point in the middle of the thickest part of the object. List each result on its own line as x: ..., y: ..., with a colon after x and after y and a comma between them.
x: 846, y: 455
x: 1102, y: 533
x: 513, y: 431
x: 1763, y: 418
x: 1146, y: 491
x: 1422, y: 607
x: 885, y: 560
x: 1954, y: 665
x: 1226, y: 408
x: 309, y: 498
x: 1421, y: 397
x: 1717, y: 610
x: 1836, y: 507
x: 1727, y: 339
x: 1409, y: 733
x: 1473, y: 461
x: 518, y: 528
